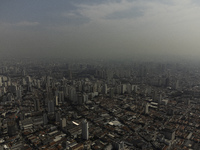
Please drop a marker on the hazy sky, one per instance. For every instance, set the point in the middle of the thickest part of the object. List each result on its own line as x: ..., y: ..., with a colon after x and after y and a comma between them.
x: 99, y: 28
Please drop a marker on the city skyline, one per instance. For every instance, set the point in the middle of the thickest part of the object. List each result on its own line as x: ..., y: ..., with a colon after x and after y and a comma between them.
x: 99, y: 106
x: 100, y: 29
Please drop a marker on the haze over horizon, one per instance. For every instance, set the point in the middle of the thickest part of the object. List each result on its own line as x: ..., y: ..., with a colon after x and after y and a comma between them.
x: 94, y: 28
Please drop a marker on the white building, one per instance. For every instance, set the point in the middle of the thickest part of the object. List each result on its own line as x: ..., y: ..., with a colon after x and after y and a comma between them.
x: 63, y: 122
x: 146, y: 110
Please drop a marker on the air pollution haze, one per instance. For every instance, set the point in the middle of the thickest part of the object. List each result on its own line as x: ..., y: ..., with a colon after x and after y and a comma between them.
x: 100, y: 29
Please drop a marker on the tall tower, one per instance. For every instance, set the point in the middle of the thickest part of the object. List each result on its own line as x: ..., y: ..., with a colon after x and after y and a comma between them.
x: 85, y: 132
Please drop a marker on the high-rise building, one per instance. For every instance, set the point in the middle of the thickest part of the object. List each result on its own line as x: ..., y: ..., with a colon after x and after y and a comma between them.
x: 51, y: 107
x: 129, y: 88
x: 21, y: 116
x: 80, y: 98
x: 58, y: 116
x: 118, y: 89
x: 80, y: 87
x: 105, y: 89
x: 85, y: 98
x: 94, y: 88
x: 177, y: 84
x: 70, y: 74
x: 12, y: 129
x: 48, y: 81
x: 167, y: 82
x: 45, y: 119
x: 19, y: 92
x: 23, y: 72
x: 146, y: 108
x: 187, y: 101
x: 4, y: 90
x: 28, y: 79
x: 4, y: 70
x: 38, y: 84
x: 155, y: 96
x: 73, y: 95
x: 123, y: 88
x: 169, y: 133
x: 63, y: 122
x: 85, y: 132
x: 36, y: 104
x: 56, y: 100
x: 30, y: 89
x: 118, y: 145
x: 66, y: 91
x: 23, y: 81
x: 0, y: 81
x: 60, y: 96
x: 159, y: 100
x: 111, y: 92
x: 12, y: 89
